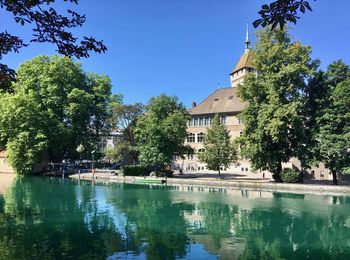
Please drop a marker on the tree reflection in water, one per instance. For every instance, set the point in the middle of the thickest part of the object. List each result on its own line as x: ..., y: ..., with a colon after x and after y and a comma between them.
x: 54, y: 218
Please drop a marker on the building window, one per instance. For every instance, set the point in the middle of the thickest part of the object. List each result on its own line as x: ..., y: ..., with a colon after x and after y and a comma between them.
x: 191, y: 138
x: 223, y: 120
x: 200, y: 137
x: 201, y: 150
x: 190, y: 156
x: 207, y: 121
x: 240, y: 121
x: 201, y: 121
x: 195, y: 122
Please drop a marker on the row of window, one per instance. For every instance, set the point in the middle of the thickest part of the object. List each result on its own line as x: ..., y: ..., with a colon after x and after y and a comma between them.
x: 207, y: 121
x: 191, y: 138
x: 242, y: 71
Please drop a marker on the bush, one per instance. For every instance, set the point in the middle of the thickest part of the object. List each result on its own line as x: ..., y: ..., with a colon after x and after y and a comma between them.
x: 291, y: 176
x: 135, y: 170
x: 164, y: 173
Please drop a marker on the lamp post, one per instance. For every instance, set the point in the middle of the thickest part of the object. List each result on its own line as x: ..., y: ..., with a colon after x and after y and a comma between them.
x: 92, y: 165
x: 79, y: 149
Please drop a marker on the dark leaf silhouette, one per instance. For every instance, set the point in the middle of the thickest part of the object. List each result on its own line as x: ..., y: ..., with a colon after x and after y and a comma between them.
x: 280, y: 12
x: 48, y: 26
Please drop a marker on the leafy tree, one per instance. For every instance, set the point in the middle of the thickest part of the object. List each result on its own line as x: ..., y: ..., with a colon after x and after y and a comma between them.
x: 218, y: 150
x: 161, y: 131
x: 334, y: 131
x: 124, y: 118
x: 56, y: 107
x: 317, y: 99
x: 48, y: 26
x: 280, y: 12
x: 337, y: 72
x: 274, y: 117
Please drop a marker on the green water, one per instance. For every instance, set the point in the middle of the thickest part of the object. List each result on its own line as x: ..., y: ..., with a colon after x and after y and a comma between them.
x: 61, y: 219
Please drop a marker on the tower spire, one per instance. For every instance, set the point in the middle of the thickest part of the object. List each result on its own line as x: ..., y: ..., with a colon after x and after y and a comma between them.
x: 247, y: 41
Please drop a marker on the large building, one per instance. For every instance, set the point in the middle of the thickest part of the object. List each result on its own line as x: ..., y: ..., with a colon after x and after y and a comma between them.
x: 226, y: 103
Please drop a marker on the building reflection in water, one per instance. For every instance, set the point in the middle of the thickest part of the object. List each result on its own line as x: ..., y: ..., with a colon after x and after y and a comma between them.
x: 58, y: 218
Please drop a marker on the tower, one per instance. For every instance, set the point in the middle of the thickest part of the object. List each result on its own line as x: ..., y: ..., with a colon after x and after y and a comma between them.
x: 244, y: 64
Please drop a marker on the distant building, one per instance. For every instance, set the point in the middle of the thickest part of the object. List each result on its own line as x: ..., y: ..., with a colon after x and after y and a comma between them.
x: 109, y: 140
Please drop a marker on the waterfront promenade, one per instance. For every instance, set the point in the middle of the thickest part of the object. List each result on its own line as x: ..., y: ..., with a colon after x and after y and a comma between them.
x: 229, y: 181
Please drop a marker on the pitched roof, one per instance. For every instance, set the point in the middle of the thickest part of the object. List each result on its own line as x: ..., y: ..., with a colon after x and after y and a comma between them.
x: 224, y: 100
x: 245, y: 61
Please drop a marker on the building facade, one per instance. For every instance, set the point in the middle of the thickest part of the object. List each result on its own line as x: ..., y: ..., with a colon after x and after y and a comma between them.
x: 224, y: 102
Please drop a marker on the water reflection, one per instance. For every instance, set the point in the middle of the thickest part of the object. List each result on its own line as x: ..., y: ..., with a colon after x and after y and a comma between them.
x: 55, y: 218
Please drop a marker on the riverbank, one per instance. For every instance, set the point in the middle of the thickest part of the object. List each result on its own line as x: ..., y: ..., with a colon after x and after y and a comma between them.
x: 211, y: 182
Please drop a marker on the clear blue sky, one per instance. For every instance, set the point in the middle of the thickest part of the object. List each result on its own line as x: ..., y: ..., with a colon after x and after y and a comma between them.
x: 184, y: 47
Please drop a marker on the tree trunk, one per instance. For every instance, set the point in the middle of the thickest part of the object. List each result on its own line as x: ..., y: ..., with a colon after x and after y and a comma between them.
x: 277, y: 173
x: 219, y: 173
x: 334, y: 174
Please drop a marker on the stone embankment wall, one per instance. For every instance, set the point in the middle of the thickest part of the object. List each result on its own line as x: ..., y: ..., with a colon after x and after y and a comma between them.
x: 4, y: 165
x: 231, y: 184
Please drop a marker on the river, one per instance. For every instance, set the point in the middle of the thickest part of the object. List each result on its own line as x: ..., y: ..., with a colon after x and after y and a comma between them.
x: 44, y: 218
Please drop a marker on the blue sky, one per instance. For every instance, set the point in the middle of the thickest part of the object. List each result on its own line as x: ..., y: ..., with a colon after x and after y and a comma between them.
x: 183, y: 47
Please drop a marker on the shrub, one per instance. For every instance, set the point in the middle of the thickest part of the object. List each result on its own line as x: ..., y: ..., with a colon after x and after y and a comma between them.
x: 291, y: 176
x: 135, y: 170
x: 165, y: 173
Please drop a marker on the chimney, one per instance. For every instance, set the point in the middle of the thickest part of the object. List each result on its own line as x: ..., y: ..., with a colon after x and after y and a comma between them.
x: 194, y: 104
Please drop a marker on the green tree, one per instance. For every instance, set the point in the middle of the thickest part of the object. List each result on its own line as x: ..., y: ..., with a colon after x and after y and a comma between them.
x: 334, y: 131
x: 318, y: 99
x: 274, y: 116
x: 56, y: 106
x: 337, y: 72
x: 161, y: 131
x: 124, y: 118
x: 218, y: 150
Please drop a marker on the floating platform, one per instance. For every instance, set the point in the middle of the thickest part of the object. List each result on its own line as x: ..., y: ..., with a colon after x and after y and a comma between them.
x: 145, y: 181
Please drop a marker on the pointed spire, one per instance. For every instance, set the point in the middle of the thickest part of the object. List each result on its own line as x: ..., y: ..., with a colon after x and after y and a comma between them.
x: 247, y: 41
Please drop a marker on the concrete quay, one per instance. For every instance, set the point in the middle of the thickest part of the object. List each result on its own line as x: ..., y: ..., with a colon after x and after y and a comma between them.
x: 246, y: 184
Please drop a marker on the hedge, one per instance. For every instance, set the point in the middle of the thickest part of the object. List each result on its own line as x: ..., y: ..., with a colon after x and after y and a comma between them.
x: 135, y: 170
x: 291, y: 176
x: 165, y: 173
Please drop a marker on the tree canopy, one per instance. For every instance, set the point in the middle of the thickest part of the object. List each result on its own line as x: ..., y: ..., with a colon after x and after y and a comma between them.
x: 55, y: 108
x: 161, y: 131
x: 333, y: 135
x: 274, y: 119
x: 218, y: 149
x: 124, y: 118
